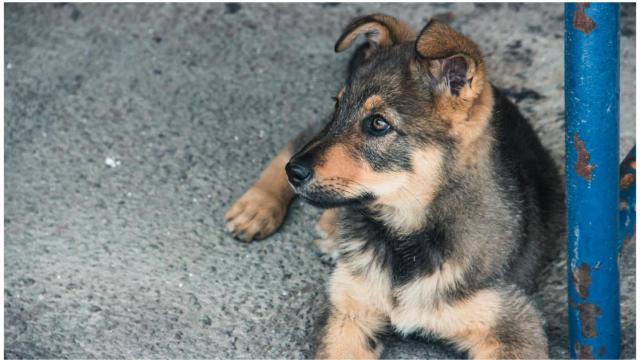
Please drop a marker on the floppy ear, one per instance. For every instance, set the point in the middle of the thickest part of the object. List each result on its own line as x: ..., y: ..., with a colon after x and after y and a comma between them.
x: 381, y: 31
x: 453, y: 60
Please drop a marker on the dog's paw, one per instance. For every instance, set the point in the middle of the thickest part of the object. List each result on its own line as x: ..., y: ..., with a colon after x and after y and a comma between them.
x: 256, y: 214
x: 327, y: 249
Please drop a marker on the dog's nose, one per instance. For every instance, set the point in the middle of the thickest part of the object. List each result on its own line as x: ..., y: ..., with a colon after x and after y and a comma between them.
x: 298, y: 174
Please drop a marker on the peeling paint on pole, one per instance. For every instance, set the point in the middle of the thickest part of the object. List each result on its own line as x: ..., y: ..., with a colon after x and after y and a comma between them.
x: 583, y: 168
x: 582, y: 280
x: 581, y: 21
x: 584, y: 351
x: 587, y: 314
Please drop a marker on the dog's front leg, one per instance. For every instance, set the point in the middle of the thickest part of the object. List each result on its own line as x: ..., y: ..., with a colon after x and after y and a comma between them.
x: 352, y: 324
x: 326, y: 228
x: 516, y: 332
x: 260, y: 210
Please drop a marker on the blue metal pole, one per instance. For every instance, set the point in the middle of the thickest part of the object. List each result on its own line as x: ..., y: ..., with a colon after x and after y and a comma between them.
x: 592, y: 178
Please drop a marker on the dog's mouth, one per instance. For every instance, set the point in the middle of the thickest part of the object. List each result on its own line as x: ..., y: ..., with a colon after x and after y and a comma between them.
x: 331, y: 196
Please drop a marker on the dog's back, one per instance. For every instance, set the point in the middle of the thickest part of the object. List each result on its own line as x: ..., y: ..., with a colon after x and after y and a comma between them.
x: 520, y: 156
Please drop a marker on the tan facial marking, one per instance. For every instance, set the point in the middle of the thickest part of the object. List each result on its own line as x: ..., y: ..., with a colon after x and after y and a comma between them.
x: 401, y: 196
x: 376, y: 104
x: 338, y: 163
x: 374, y: 101
x: 404, y: 196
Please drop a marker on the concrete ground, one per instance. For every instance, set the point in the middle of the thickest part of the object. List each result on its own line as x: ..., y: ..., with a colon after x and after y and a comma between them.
x: 129, y: 129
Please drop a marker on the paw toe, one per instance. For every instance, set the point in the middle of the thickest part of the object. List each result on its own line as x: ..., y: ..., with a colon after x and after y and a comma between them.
x: 255, y: 215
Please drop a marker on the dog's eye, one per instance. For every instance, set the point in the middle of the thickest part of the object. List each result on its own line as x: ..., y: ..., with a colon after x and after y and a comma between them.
x: 376, y: 125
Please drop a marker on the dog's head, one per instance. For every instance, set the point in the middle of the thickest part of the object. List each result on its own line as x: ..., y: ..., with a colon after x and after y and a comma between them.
x: 410, y: 110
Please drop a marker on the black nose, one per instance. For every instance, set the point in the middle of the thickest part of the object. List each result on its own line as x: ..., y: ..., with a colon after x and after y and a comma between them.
x: 298, y: 174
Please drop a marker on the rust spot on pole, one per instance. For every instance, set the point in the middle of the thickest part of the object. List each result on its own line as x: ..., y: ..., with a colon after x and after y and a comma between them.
x: 626, y: 181
x: 584, y: 351
x: 582, y: 280
x: 581, y: 21
x: 587, y: 314
x: 583, y: 168
x: 627, y: 240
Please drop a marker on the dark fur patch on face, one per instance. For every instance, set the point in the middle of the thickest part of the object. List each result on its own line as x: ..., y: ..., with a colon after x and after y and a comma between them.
x: 385, y: 156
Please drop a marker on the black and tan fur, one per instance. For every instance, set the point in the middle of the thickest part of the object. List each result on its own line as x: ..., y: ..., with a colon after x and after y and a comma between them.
x: 440, y: 223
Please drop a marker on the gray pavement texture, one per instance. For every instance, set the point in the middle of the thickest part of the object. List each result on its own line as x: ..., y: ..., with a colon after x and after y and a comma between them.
x: 189, y: 102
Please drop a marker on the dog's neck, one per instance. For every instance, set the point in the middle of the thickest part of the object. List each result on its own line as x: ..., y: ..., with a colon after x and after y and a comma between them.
x: 403, y: 218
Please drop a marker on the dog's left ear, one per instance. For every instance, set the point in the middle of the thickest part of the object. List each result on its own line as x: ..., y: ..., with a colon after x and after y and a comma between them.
x: 380, y: 30
x: 452, y: 60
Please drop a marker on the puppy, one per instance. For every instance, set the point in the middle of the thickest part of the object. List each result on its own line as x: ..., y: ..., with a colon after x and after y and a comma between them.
x: 442, y: 202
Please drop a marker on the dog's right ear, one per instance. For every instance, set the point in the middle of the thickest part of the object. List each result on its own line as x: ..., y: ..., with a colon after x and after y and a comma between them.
x: 381, y: 31
x: 452, y: 59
